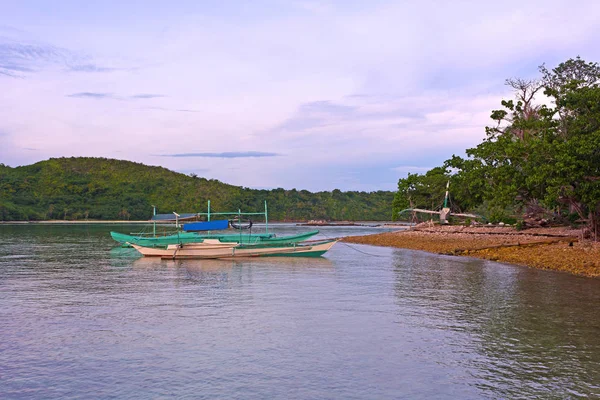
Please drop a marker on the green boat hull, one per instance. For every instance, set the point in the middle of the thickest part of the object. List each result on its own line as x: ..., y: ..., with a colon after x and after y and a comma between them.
x: 215, y: 250
x: 193, y: 237
x: 309, y: 254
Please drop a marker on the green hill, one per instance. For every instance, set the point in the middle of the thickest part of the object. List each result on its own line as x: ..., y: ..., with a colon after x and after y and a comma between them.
x: 79, y: 188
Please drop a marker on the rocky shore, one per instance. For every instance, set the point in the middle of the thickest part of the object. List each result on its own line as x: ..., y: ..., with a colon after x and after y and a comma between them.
x: 558, y: 249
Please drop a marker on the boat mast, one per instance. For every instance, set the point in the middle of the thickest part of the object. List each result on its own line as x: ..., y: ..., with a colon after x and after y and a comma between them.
x: 208, y: 214
x: 176, y: 220
x: 153, y: 220
x: 446, y: 198
x: 266, y: 219
x: 240, y: 222
x: 445, y: 212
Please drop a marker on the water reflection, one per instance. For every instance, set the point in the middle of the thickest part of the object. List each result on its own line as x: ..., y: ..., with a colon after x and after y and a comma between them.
x: 218, y: 265
x: 81, y: 318
x: 511, y: 324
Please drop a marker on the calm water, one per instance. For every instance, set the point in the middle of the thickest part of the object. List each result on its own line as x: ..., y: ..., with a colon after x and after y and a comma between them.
x: 80, y: 319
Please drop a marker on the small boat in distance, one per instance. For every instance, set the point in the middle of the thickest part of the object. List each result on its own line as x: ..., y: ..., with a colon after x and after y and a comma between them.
x: 215, y: 249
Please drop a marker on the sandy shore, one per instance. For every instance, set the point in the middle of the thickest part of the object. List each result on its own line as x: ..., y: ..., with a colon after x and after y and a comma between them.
x: 556, y: 249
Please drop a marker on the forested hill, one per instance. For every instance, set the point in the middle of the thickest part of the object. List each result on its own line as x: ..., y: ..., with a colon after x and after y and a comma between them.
x: 81, y: 188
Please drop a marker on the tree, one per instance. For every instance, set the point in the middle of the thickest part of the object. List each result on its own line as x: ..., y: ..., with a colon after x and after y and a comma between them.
x: 536, y: 154
x: 421, y: 191
x: 107, y: 189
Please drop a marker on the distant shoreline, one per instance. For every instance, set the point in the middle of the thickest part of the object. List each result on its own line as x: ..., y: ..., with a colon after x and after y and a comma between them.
x: 557, y: 249
x: 366, y: 224
x: 78, y: 222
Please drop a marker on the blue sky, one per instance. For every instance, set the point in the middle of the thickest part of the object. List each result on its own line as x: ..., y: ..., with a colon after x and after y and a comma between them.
x: 312, y: 95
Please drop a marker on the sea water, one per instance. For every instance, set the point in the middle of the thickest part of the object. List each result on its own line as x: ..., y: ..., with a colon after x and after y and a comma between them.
x: 81, y: 318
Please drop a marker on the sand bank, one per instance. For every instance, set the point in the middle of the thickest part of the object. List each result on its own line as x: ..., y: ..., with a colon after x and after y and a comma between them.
x: 556, y: 249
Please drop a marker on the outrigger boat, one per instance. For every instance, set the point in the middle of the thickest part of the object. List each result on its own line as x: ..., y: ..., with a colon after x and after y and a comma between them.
x: 215, y: 249
x: 194, y: 237
x: 199, y: 231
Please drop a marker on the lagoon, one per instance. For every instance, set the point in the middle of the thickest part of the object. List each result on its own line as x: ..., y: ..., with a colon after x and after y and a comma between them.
x: 80, y: 318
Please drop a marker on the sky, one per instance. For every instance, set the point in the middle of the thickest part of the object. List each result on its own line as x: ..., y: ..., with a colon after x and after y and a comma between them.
x: 313, y: 95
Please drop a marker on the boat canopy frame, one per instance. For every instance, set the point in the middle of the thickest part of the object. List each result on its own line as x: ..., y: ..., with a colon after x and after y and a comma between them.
x: 190, y: 216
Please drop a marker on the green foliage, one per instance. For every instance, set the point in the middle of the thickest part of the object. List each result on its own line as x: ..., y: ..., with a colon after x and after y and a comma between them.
x: 536, y: 154
x: 106, y: 189
x: 421, y: 191
x: 520, y: 225
x: 428, y: 191
x: 494, y: 213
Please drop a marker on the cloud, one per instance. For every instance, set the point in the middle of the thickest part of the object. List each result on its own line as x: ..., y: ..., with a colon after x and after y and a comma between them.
x: 146, y: 96
x: 232, y: 154
x: 91, y: 68
x: 98, y: 95
x: 29, y: 57
x: 8, y: 73
x: 6, y: 29
x: 23, y: 53
x: 327, y: 107
x: 302, y: 123
x: 407, y: 85
x: 15, y: 67
x: 170, y: 109
x: 316, y: 114
x: 18, y: 57
x: 349, y: 114
x: 93, y: 95
x: 385, y: 130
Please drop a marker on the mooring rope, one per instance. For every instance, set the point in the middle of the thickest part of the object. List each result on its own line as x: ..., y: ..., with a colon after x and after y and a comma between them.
x: 364, y: 252
x: 353, y: 248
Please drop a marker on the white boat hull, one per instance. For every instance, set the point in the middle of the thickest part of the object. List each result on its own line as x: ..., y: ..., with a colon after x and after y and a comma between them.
x: 212, y: 250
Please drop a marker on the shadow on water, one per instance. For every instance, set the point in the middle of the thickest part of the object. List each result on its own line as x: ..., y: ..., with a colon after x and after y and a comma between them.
x: 511, y: 324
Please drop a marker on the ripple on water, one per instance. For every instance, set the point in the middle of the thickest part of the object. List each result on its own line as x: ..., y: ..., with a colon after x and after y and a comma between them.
x: 80, y: 318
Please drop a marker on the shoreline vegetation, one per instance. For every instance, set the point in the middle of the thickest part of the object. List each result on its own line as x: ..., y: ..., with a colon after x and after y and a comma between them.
x: 539, y: 160
x: 558, y: 249
x: 372, y: 224
x: 86, y: 189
